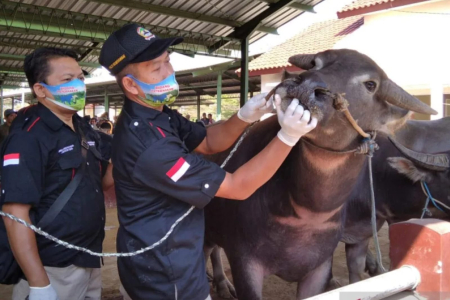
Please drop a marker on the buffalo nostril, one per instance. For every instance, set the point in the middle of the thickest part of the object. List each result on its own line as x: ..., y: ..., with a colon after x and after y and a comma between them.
x: 318, y: 92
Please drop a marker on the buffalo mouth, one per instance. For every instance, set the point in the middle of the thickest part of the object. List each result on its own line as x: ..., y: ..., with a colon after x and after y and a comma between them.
x: 314, y: 99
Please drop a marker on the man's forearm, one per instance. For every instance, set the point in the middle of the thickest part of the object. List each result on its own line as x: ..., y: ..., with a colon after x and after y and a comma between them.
x: 249, y: 177
x: 24, y: 246
x: 262, y: 167
x: 220, y: 137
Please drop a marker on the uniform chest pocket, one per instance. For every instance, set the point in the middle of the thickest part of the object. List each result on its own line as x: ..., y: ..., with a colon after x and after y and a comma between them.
x: 68, y: 162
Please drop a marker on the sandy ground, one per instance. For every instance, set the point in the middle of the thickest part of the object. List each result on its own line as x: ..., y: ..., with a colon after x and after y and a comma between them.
x: 274, y: 288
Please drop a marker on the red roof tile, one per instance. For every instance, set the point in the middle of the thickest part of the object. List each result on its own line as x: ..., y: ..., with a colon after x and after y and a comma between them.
x: 316, y: 38
x: 360, y: 7
x: 363, y: 3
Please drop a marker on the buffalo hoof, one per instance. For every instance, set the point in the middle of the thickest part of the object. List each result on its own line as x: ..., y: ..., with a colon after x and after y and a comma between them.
x: 209, y: 276
x: 333, y: 284
x: 359, y: 277
x: 226, y: 290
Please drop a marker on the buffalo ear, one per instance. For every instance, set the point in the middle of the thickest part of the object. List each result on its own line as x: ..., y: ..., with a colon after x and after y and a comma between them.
x: 408, y: 168
x: 287, y: 75
x: 303, y: 61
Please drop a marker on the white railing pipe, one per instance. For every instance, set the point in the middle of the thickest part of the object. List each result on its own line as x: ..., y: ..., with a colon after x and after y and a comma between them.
x: 378, y: 287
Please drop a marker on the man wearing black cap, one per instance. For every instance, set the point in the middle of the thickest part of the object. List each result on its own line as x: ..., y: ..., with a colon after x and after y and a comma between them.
x: 158, y: 179
x: 10, y: 115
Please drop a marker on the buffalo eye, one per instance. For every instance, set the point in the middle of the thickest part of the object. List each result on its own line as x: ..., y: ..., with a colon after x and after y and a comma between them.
x: 370, y: 86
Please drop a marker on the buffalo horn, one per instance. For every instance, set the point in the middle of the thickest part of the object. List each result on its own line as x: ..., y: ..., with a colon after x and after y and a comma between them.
x: 397, y: 96
x: 435, y: 162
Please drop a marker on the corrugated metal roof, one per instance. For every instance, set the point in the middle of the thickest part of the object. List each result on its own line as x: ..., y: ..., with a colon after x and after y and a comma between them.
x: 84, y: 24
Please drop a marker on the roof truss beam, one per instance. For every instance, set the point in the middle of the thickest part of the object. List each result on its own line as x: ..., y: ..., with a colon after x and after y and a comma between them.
x: 186, y: 49
x: 179, y: 13
x: 295, y: 5
x: 252, y: 86
x: 249, y: 27
x: 22, y: 57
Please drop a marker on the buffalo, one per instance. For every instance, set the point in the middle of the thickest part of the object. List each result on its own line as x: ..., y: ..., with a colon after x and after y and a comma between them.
x: 399, y: 167
x: 291, y: 225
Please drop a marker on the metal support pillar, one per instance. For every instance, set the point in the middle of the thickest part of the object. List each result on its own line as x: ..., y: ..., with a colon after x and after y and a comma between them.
x: 244, y: 71
x: 198, y: 107
x: 1, y: 103
x: 12, y: 103
x: 219, y: 97
x: 106, y: 104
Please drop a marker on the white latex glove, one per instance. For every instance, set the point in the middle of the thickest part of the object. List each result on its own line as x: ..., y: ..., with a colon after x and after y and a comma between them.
x: 255, y: 108
x: 294, y: 122
x: 43, y: 293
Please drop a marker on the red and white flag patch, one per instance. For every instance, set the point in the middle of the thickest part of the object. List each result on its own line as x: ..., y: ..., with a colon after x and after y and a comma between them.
x: 178, y: 170
x: 11, y: 159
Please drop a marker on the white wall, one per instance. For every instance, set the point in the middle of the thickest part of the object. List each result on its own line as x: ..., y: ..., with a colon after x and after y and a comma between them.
x: 269, y: 81
x: 412, y: 45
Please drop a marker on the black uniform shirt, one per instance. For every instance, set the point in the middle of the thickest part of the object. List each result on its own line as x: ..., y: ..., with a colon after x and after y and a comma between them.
x: 157, y: 180
x: 40, y: 157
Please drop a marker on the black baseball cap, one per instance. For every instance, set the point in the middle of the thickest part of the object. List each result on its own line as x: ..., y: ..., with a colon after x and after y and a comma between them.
x: 132, y: 44
x: 9, y: 112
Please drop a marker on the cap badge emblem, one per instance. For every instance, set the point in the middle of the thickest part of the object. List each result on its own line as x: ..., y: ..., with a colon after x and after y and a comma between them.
x: 146, y: 34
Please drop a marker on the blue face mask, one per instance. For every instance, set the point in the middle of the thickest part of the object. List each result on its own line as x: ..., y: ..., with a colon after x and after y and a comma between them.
x: 70, y: 95
x: 161, y: 93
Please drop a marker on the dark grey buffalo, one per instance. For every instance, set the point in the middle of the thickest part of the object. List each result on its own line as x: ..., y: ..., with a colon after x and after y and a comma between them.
x: 398, y: 172
x: 291, y: 225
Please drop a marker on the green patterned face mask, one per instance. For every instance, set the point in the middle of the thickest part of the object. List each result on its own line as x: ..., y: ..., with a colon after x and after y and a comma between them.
x: 161, y: 93
x: 70, y: 95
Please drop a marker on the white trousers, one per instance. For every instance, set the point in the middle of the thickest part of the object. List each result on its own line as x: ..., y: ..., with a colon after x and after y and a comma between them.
x: 70, y: 283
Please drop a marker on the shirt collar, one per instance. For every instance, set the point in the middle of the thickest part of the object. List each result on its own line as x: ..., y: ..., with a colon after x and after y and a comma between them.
x: 137, y: 110
x: 50, y: 119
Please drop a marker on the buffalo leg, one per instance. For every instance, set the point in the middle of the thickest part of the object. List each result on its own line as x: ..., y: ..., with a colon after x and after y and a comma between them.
x: 372, y: 265
x: 208, y: 248
x: 356, y: 260
x: 333, y: 283
x: 248, y: 276
x: 224, y: 287
x: 316, y: 281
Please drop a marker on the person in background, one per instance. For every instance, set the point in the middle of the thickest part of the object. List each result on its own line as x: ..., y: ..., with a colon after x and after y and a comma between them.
x: 104, y: 116
x: 210, y: 119
x: 106, y: 128
x: 114, y: 123
x: 10, y: 115
x: 188, y: 117
x: 49, y: 146
x: 204, y: 119
x: 87, y: 118
x: 105, y: 132
x: 93, y: 123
